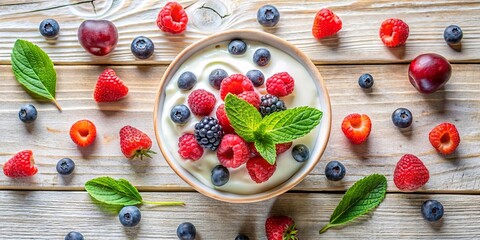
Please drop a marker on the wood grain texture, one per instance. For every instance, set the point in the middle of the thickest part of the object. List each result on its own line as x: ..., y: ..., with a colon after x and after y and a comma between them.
x: 48, y: 137
x: 357, y: 42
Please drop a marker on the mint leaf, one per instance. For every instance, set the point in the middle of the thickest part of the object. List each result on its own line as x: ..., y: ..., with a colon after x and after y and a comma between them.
x: 365, y: 195
x: 244, y: 117
x: 266, y: 147
x: 34, y: 70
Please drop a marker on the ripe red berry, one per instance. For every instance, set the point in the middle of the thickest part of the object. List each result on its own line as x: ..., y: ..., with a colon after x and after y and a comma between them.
x: 251, y: 97
x: 280, y: 228
x: 135, y: 143
x: 326, y: 23
x: 259, y: 169
x: 232, y: 151
x: 280, y: 84
x: 109, y: 87
x: 188, y: 147
x: 172, y: 18
x: 235, y: 84
x: 201, y: 102
x: 410, y: 173
x: 83, y: 133
x: 393, y: 32
x: 444, y: 138
x: 223, y: 119
x: 20, y: 165
x: 357, y: 127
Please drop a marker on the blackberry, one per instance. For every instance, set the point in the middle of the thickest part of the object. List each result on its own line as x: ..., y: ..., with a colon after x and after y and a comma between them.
x: 208, y: 133
x: 270, y: 103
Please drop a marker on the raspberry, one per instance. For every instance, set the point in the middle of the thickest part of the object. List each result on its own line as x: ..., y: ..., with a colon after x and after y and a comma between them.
x: 393, y: 32
x: 188, y: 147
x: 208, y: 133
x: 235, y: 84
x: 445, y: 138
x: 233, y: 151
x: 20, y: 165
x: 201, y: 102
x: 326, y: 23
x: 172, y: 18
x: 270, y: 104
x: 223, y: 119
x: 280, y: 84
x: 259, y: 169
x: 410, y: 173
x: 251, y: 97
x: 279, y: 148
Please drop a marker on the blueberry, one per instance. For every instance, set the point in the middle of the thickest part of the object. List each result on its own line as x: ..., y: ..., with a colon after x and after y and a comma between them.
x: 27, y: 113
x: 261, y: 57
x: 129, y: 216
x: 300, y: 153
x: 432, y: 210
x: 365, y: 81
x: 237, y: 47
x: 74, y: 236
x: 453, y: 34
x: 335, y: 171
x: 268, y: 16
x: 220, y: 175
x: 180, y: 114
x: 402, y: 117
x: 241, y: 237
x: 186, y: 81
x: 142, y: 47
x: 65, y: 166
x: 49, y: 28
x: 186, y: 231
x: 256, y: 76
x: 216, y: 77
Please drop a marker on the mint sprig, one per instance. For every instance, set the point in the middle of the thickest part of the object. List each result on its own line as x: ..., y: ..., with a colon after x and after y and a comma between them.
x: 278, y: 127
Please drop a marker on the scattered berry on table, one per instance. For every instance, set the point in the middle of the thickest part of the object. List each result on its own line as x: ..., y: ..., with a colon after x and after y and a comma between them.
x: 393, y: 32
x: 256, y: 76
x: 74, y: 236
x: 135, y: 143
x: 223, y: 119
x: 365, y: 81
x: 326, y: 24
x: 261, y: 57
x: 27, y: 113
x: 444, y: 138
x: 208, y: 133
x: 251, y: 97
x: 201, y: 102
x: 220, y: 175
x: 216, y: 77
x: 172, y: 18
x: 232, y: 151
x: 270, y: 103
x: 432, y: 210
x: 453, y: 34
x: 65, y: 166
x: 235, y: 84
x: 49, y: 28
x: 142, y: 47
x: 109, y: 87
x: 188, y: 147
x: 186, y: 231
x: 335, y: 171
x: 20, y: 165
x: 237, y: 47
x: 242, y: 237
x: 280, y: 227
x: 300, y: 153
x: 98, y: 37
x: 410, y: 173
x: 180, y: 114
x: 268, y: 16
x: 259, y: 169
x: 186, y: 81
x: 83, y: 133
x: 402, y: 118
x: 280, y: 84
x: 129, y: 216
x: 357, y: 127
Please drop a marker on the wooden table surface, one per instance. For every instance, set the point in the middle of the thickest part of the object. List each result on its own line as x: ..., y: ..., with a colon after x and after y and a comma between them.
x: 48, y: 206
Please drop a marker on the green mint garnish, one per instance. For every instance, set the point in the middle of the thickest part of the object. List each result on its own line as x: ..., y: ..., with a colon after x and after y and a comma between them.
x: 278, y: 127
x: 34, y: 70
x: 365, y: 195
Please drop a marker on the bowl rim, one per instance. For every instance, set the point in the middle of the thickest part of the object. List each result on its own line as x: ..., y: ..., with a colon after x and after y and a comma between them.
x: 281, y: 188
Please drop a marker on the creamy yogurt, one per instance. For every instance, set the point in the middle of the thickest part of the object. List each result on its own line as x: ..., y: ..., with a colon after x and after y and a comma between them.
x: 202, y: 64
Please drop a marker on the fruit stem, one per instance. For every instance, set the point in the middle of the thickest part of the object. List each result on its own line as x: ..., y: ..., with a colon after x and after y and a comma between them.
x: 324, y: 229
x: 56, y: 104
x: 165, y: 203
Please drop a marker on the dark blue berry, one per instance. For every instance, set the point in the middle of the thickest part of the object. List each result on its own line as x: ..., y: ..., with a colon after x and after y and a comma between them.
x: 365, y: 81
x: 74, y: 236
x: 241, y: 237
x: 216, y: 77
x: 300, y: 153
x: 257, y: 77
x: 402, y: 118
x: 186, y: 231
x: 142, y: 47
x: 237, y: 47
x: 220, y: 175
x: 432, y: 210
x: 453, y: 34
x: 180, y: 114
x: 261, y: 56
x: 268, y: 16
x: 335, y: 171
x: 208, y: 133
x: 129, y: 216
x: 270, y: 103
x: 186, y: 81
x: 27, y: 113
x: 49, y: 28
x: 65, y: 166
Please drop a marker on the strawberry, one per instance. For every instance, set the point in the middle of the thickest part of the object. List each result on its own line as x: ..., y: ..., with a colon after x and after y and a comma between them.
x: 20, y: 165
x: 410, y: 173
x: 444, y: 138
x: 83, y: 133
x: 357, y: 127
x: 135, y: 143
x: 280, y: 228
x: 109, y: 87
x: 326, y: 23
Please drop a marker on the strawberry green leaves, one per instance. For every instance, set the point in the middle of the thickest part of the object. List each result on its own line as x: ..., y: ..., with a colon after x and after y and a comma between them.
x: 34, y: 70
x: 365, y: 195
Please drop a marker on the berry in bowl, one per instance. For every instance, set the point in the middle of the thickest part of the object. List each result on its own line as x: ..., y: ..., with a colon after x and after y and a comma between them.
x: 242, y: 116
